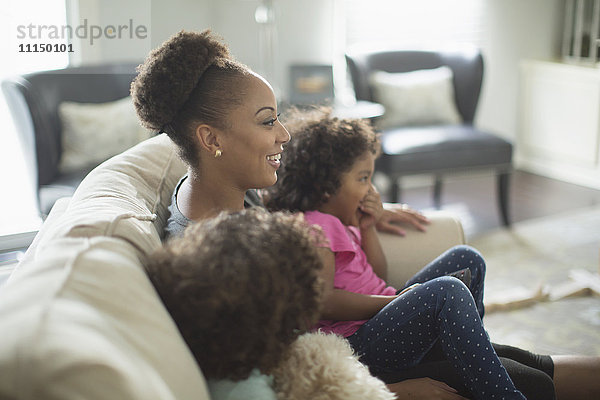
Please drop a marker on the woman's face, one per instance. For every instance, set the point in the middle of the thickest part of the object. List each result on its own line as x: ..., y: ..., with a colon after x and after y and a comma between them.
x: 253, y: 140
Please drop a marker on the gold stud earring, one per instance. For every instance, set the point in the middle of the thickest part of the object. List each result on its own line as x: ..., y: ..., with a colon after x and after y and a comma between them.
x: 218, y: 153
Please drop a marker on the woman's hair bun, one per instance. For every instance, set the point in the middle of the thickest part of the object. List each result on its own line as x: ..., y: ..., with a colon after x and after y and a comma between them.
x: 170, y: 73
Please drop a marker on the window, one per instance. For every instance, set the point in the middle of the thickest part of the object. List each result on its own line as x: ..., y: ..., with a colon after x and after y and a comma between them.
x: 415, y: 24
x: 19, y: 21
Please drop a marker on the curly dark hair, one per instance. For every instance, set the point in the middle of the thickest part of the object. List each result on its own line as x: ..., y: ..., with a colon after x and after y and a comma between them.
x: 191, y: 78
x: 240, y: 287
x: 322, y: 149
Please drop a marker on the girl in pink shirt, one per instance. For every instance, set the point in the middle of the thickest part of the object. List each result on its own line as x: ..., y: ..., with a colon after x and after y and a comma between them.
x: 326, y: 173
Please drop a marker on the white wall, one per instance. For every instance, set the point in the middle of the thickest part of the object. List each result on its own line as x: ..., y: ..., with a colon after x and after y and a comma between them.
x: 516, y: 30
x: 306, y: 33
x: 304, y: 29
x: 170, y: 16
x: 161, y: 18
x: 125, y: 46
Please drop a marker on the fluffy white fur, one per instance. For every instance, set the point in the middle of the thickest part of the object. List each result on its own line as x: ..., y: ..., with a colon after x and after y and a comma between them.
x: 323, y: 367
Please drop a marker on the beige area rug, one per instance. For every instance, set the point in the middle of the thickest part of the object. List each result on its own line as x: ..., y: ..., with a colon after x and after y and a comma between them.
x: 542, y: 252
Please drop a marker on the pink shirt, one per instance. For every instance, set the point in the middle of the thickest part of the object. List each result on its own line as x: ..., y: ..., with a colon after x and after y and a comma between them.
x: 352, y: 270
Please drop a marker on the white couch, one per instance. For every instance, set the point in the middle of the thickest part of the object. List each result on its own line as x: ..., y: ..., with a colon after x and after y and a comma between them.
x: 79, y: 318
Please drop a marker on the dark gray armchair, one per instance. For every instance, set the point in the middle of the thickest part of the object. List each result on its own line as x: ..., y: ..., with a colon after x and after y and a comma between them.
x: 436, y: 149
x: 33, y: 101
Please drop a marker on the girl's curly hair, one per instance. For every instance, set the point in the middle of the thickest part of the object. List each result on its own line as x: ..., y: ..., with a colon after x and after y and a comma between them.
x: 240, y: 287
x: 191, y: 78
x: 322, y: 149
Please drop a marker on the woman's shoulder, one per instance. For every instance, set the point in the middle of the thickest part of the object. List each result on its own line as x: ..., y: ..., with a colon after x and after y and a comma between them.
x: 253, y: 198
x: 177, y: 222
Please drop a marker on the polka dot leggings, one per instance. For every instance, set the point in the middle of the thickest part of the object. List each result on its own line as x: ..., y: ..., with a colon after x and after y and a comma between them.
x: 453, y: 260
x: 443, y: 309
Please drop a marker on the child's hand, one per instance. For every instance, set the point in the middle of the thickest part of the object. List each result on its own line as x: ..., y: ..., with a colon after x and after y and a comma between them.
x: 371, y: 209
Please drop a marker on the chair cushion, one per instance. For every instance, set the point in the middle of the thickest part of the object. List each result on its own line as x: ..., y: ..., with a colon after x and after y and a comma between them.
x: 79, y: 317
x: 94, y: 132
x: 429, y: 148
x: 466, y: 64
x: 417, y: 98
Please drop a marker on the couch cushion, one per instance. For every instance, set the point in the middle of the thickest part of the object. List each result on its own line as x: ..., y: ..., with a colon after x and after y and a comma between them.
x: 79, y: 318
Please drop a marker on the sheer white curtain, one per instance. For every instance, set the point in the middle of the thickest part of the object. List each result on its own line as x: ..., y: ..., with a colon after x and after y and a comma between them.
x: 20, y: 21
x: 417, y: 24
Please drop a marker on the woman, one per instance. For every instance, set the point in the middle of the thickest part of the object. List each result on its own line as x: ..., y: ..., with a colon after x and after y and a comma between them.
x: 223, y: 118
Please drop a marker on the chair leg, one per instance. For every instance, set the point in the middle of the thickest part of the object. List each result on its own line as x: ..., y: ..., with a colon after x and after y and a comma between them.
x: 437, y: 193
x: 395, y: 192
x: 503, y: 186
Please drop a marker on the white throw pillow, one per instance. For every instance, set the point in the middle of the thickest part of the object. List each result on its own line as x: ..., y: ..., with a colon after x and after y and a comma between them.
x: 422, y: 97
x: 92, y: 133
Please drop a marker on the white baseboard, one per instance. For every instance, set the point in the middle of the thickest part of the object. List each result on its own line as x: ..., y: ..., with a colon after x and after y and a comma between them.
x: 563, y: 172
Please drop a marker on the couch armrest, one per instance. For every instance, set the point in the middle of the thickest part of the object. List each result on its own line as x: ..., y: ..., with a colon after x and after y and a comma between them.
x: 407, y: 255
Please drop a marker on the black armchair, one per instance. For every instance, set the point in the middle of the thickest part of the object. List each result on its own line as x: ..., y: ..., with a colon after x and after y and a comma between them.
x: 33, y: 100
x: 436, y: 149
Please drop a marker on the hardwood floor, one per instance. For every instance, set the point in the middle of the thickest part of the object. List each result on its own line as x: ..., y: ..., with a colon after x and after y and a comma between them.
x: 473, y: 199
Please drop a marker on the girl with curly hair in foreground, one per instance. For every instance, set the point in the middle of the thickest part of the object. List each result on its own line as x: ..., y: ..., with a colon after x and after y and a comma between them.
x: 238, y: 303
